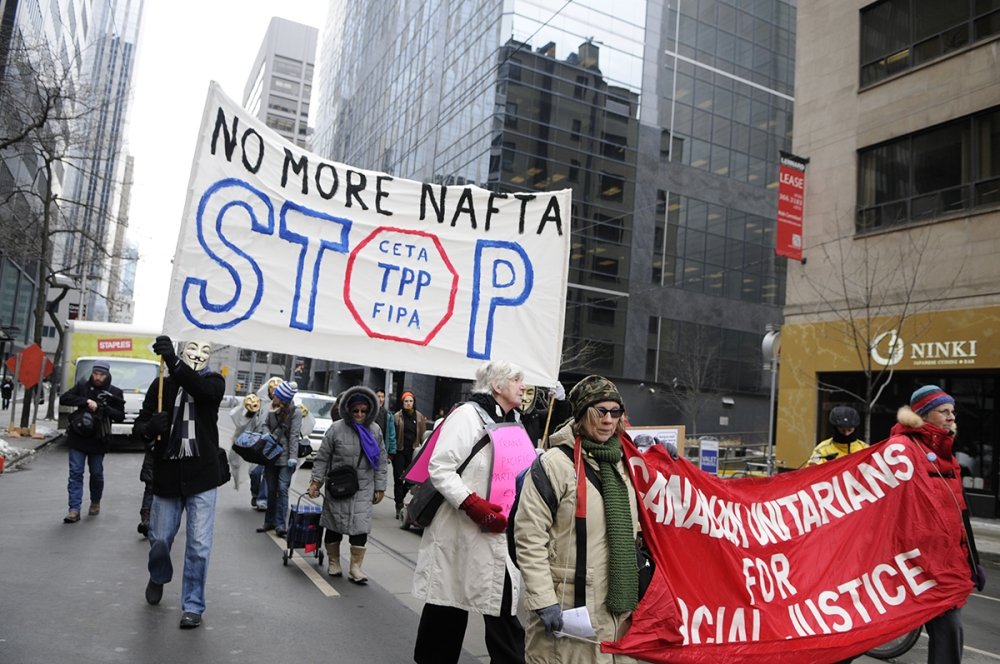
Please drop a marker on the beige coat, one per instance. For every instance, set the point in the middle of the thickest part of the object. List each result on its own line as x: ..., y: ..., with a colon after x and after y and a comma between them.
x: 458, y: 564
x: 546, y: 553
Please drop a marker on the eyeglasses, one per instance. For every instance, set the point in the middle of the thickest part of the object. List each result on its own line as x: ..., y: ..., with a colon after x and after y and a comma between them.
x: 613, y: 412
x: 362, y: 411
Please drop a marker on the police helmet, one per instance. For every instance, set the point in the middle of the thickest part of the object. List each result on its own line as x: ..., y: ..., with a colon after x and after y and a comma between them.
x: 844, y: 416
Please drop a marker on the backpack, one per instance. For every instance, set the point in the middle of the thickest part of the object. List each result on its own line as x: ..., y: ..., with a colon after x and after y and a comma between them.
x: 544, y: 487
x: 424, y: 498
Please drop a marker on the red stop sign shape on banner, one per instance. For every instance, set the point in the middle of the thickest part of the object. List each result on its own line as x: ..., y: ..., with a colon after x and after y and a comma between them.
x: 400, y: 285
x: 31, y: 366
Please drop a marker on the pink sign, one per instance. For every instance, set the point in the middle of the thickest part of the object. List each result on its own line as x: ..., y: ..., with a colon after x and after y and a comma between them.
x: 417, y: 472
x: 513, y: 451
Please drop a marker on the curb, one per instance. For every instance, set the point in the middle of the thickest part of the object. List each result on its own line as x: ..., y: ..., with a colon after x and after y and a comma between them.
x: 13, y: 463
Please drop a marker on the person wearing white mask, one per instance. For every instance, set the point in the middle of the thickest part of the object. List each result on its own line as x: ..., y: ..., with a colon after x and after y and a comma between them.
x: 184, y: 435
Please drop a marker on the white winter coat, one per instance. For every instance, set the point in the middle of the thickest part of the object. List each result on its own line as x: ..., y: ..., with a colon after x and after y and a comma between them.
x: 458, y: 564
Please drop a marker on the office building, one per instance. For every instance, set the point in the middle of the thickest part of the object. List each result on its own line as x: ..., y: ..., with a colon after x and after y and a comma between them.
x: 280, y: 82
x: 82, y: 53
x: 898, y: 111
x: 666, y: 120
x: 277, y: 91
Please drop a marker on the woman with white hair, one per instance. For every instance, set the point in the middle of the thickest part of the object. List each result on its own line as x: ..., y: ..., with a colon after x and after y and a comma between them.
x: 462, y: 564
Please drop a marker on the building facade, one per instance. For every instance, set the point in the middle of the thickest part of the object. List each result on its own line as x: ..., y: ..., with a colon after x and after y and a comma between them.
x: 278, y: 91
x: 666, y: 121
x: 897, y: 111
x: 68, y: 64
x: 280, y: 82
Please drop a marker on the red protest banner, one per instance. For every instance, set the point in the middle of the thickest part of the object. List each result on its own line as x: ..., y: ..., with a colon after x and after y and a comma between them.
x: 811, y: 566
x: 791, y: 200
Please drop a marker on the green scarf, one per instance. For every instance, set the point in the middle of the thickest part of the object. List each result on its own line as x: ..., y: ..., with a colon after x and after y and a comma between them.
x: 623, y: 572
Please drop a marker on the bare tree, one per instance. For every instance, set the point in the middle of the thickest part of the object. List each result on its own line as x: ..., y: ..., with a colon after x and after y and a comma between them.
x: 692, y: 375
x: 45, y: 132
x: 870, y: 291
x: 581, y: 354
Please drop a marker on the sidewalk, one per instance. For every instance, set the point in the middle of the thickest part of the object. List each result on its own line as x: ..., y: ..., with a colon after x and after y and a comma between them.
x: 19, y: 450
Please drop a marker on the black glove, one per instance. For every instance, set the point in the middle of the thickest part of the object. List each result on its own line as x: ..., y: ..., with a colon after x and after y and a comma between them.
x: 980, y: 578
x: 156, y: 425
x: 551, y: 617
x: 164, y: 347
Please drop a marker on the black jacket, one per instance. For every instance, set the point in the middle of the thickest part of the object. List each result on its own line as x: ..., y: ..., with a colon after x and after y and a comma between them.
x: 110, y: 408
x: 175, y: 478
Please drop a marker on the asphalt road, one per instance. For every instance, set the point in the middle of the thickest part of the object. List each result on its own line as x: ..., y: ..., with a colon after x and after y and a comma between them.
x: 74, y: 592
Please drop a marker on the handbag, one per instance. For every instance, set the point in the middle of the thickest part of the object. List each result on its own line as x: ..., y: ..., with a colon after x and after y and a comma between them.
x: 342, y: 481
x: 305, y: 449
x: 84, y: 424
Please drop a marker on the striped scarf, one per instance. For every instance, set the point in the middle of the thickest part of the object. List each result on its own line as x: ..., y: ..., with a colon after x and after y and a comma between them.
x: 623, y: 571
x: 183, y: 441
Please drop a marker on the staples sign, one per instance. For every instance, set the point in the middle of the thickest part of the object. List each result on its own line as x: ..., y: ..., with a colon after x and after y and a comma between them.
x: 113, y: 345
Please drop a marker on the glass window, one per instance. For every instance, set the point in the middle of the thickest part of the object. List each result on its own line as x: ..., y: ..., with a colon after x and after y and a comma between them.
x: 899, y: 34
x: 929, y: 174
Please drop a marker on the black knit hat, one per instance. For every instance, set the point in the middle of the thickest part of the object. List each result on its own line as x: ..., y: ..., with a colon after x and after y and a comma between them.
x: 591, y: 390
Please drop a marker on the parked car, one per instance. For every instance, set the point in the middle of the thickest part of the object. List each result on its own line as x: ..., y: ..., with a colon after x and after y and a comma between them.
x: 323, y: 407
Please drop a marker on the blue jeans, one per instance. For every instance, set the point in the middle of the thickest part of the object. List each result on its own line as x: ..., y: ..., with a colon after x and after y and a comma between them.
x: 278, y: 478
x: 77, y: 459
x: 164, y: 522
x: 258, y: 487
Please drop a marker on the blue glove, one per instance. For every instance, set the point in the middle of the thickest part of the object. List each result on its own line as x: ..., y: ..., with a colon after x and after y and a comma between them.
x: 551, y: 617
x: 292, y: 462
x: 980, y: 578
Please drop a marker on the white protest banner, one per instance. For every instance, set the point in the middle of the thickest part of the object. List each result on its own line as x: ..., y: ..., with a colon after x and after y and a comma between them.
x: 284, y: 251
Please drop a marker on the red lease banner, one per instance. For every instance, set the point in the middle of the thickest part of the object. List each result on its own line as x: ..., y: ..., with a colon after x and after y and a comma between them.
x: 816, y: 565
x: 791, y: 200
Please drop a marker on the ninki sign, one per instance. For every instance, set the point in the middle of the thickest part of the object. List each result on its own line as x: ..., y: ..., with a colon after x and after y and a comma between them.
x: 889, y: 349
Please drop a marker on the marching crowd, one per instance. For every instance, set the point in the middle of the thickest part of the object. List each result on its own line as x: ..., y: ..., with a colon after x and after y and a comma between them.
x: 575, y: 538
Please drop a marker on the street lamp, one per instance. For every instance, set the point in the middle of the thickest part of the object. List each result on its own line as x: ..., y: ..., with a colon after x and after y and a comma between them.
x: 770, y: 348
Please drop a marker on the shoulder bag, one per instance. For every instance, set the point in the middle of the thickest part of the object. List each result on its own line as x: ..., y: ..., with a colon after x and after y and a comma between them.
x: 342, y: 480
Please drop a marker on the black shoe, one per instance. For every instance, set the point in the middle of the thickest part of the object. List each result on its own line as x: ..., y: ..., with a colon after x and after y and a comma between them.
x: 143, y: 528
x: 253, y: 502
x: 154, y: 592
x: 266, y: 527
x: 280, y: 532
x: 190, y: 620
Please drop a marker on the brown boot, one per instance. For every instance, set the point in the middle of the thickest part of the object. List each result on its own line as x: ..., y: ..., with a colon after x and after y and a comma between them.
x: 333, y: 559
x: 71, y: 517
x: 95, y: 509
x: 355, y: 574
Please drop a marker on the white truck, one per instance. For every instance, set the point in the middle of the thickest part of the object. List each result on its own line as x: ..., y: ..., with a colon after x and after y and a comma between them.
x: 134, y: 366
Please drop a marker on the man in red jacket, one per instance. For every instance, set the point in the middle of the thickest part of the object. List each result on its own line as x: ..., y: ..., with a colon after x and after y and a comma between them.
x: 929, y: 421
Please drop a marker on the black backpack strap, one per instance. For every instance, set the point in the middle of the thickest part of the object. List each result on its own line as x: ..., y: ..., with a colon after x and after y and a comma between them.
x: 483, y: 442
